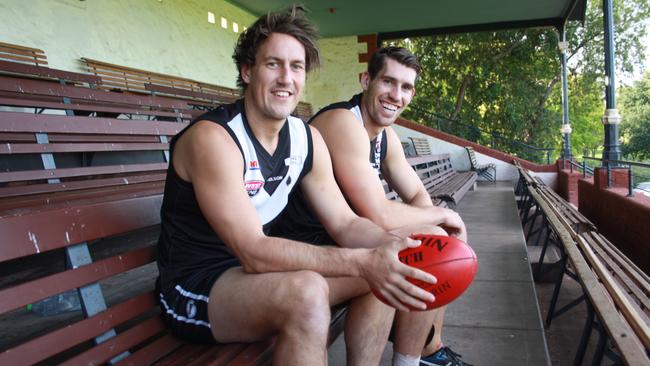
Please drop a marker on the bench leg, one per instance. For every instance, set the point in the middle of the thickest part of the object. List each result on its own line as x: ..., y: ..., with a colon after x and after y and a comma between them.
x: 541, y: 230
x: 556, y: 291
x: 540, y: 262
x: 532, y: 222
x: 600, y: 347
x: 586, y: 334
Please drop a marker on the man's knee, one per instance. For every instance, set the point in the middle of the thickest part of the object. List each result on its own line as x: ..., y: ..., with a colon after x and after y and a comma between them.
x: 306, y: 301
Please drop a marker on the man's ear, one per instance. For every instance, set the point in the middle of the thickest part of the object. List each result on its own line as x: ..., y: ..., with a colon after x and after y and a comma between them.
x: 364, y: 80
x: 245, y: 72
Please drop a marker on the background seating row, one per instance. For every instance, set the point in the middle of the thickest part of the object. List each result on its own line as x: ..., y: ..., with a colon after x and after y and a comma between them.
x: 616, y: 291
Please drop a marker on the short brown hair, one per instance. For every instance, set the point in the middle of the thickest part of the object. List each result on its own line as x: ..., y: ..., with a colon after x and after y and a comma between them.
x: 290, y: 21
x: 399, y: 54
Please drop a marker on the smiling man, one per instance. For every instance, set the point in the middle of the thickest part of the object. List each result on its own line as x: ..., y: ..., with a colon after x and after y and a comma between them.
x: 363, y: 146
x: 221, y: 278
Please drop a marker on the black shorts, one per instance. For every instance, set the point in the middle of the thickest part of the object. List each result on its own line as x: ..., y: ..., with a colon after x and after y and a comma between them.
x: 184, y: 305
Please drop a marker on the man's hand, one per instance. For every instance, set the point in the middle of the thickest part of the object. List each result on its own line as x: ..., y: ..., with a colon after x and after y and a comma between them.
x: 386, y: 274
x: 453, y: 224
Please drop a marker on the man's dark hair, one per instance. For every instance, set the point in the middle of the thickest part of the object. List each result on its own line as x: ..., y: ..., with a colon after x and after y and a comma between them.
x: 290, y: 21
x: 399, y: 54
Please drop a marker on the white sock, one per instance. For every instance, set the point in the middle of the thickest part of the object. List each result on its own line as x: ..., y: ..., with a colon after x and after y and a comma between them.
x: 405, y: 360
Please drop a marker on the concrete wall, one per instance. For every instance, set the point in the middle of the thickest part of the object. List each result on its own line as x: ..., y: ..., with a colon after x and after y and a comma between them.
x: 338, y: 79
x: 168, y: 36
x: 459, y: 158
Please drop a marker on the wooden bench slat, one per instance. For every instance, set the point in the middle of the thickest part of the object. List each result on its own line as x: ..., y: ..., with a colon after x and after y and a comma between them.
x: 221, y: 354
x: 43, y: 103
x: 24, y: 59
x: 640, y: 328
x: 188, y: 351
x: 33, y: 189
x: 35, y: 203
x: 78, y: 172
x: 84, y: 138
x: 254, y: 354
x: 42, y: 288
x: 37, y: 87
x: 640, y: 277
x: 42, y: 71
x: 45, y: 346
x: 112, y: 347
x: 219, y: 98
x: 79, y: 147
x: 152, y: 352
x: 19, y: 49
x: 51, y: 123
x: 58, y: 228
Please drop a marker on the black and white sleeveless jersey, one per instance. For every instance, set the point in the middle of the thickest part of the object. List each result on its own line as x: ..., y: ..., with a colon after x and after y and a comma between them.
x: 188, y: 246
x: 298, y: 221
x: 378, y: 145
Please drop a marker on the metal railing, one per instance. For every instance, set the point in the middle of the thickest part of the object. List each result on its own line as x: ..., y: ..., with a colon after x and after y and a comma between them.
x: 488, y: 138
x: 586, y: 170
x: 607, y: 163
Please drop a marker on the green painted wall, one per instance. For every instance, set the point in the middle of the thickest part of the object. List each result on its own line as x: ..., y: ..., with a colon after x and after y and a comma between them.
x: 338, y: 79
x: 166, y: 36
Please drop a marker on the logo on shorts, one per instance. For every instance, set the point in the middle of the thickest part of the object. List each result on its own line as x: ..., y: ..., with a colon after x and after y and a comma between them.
x: 190, y: 309
x: 253, y: 186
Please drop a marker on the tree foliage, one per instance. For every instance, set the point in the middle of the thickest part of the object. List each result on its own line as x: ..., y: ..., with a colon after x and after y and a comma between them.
x: 635, y: 107
x: 508, y: 83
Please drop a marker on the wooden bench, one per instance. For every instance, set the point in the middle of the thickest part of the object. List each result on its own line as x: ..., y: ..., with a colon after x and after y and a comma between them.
x: 615, y: 290
x: 441, y: 180
x: 80, y: 197
x: 420, y: 145
x: 482, y: 170
x: 23, y: 55
x: 202, y: 95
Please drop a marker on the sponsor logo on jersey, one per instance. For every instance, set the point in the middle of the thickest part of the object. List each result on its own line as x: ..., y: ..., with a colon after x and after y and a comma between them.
x: 253, y: 186
x: 296, y: 160
x: 274, y: 179
x: 253, y: 165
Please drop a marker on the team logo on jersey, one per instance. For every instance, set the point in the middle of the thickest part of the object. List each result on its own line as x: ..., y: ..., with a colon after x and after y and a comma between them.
x: 253, y: 165
x: 253, y: 186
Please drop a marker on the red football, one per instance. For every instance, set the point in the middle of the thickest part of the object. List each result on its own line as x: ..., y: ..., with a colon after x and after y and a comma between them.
x: 452, y: 261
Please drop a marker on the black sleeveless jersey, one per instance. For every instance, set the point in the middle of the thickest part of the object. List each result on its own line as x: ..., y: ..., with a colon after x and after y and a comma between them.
x: 188, y: 246
x: 298, y: 221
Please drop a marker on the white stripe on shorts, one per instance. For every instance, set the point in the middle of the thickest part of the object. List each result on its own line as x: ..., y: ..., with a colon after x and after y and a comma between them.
x: 181, y: 318
x: 191, y: 295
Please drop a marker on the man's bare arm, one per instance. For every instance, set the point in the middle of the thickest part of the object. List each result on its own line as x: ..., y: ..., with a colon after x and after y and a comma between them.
x: 208, y: 157
x: 348, y: 143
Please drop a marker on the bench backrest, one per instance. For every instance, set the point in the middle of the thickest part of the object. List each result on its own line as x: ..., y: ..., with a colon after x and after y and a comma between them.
x: 116, y: 77
x: 472, y: 157
x: 421, y: 145
x: 67, y: 137
x: 21, y: 54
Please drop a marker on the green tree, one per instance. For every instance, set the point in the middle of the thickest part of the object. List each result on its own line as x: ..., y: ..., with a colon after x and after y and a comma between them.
x: 635, y: 109
x: 507, y: 83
